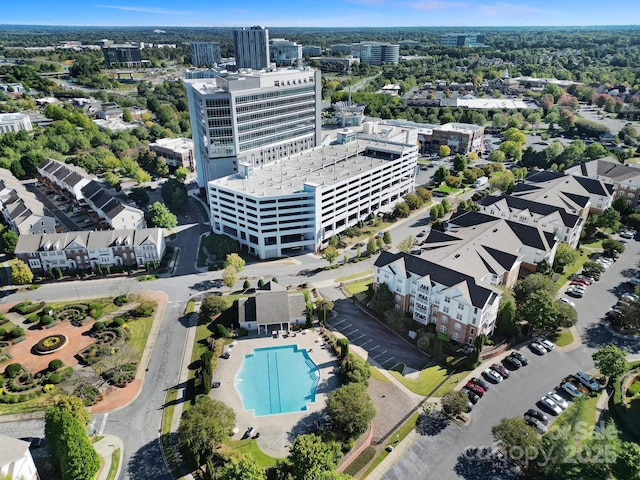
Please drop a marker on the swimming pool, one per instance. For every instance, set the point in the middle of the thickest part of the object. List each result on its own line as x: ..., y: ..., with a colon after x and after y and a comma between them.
x: 276, y: 380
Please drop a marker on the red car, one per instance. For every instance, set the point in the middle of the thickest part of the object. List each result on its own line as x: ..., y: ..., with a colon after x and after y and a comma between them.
x: 580, y: 282
x: 478, y: 390
x: 501, y: 370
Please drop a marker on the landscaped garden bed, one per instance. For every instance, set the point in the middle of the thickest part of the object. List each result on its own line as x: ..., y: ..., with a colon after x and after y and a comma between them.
x: 51, y: 344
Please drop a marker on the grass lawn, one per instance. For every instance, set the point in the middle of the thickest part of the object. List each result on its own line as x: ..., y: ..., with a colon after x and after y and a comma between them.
x: 573, y: 268
x: 115, y: 461
x: 565, y: 338
x: 578, y: 418
x: 448, y: 190
x: 378, y: 375
x: 190, y: 308
x: 361, y: 286
x: 450, y: 383
x: 426, y: 383
x: 138, y: 334
x: 39, y: 403
x: 366, y: 273
x: 249, y: 447
x: 406, y: 428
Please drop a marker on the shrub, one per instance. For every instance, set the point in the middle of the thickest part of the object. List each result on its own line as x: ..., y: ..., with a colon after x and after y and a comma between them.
x: 3, y: 332
x: 16, y: 332
x: 120, y: 300
x: 95, y: 313
x: 47, y: 388
x: 221, y: 331
x: 46, y: 320
x: 117, y: 322
x: 55, y: 378
x: 633, y: 389
x: 98, y: 326
x: 13, y: 370
x: 56, y: 364
x: 33, y: 318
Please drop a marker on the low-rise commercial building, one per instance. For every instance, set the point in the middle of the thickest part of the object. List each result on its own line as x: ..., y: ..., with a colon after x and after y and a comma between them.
x: 125, y: 55
x: 296, y: 204
x: 462, y: 40
x: 88, y: 250
x: 459, y: 137
x: 459, y: 305
x: 14, y: 122
x: 177, y: 152
x: 271, y: 308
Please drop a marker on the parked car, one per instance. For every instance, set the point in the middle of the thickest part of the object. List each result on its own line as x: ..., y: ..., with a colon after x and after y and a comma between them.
x: 568, y: 302
x: 481, y: 383
x: 571, y: 390
x: 635, y: 281
x: 540, y: 427
x: 578, y: 384
x: 561, y: 402
x: 501, y: 370
x: 532, y: 412
x: 523, y: 360
x: 537, y: 348
x: 475, y: 388
x: 473, y: 397
x: 550, y: 406
x: 627, y: 234
x: 512, y: 362
x: 588, y: 381
x: 492, y: 376
x: 545, y: 343
x: 576, y: 292
x: 629, y: 298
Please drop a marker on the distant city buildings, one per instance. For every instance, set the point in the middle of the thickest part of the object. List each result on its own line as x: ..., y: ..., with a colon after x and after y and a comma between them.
x: 377, y: 53
x: 311, y: 51
x: 205, y: 54
x: 252, y: 118
x: 126, y: 55
x: 177, y: 152
x: 251, y: 46
x: 14, y: 122
x: 284, y: 53
x: 462, y: 40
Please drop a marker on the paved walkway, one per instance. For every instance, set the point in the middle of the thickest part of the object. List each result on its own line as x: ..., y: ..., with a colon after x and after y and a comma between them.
x: 106, y: 447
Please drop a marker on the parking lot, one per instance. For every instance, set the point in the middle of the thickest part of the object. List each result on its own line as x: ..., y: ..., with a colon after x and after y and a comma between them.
x: 383, y: 346
x: 70, y: 216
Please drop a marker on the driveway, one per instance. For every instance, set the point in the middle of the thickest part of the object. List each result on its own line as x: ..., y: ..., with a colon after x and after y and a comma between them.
x: 383, y: 346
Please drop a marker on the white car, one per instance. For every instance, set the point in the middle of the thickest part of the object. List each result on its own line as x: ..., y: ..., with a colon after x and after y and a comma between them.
x: 627, y: 234
x: 548, y: 346
x: 561, y: 402
x: 551, y: 406
x: 568, y: 302
x: 571, y: 390
x: 492, y: 375
x: 537, y: 348
x: 537, y: 424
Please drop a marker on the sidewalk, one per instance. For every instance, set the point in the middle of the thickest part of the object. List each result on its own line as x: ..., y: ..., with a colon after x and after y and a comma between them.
x: 106, y: 447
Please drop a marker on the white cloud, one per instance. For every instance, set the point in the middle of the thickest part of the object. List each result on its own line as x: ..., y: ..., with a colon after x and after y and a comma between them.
x: 152, y: 10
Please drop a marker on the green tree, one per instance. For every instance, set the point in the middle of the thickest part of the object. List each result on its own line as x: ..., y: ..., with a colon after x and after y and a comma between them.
x: 126, y: 115
x: 497, y: 156
x: 514, y: 434
x: 350, y: 409
x: 459, y: 162
x: 161, y: 216
x: 504, y: 181
x: 210, y: 307
x: 592, y: 269
x: 515, y: 135
x: 413, y: 200
x: 141, y: 176
x: 565, y: 255
x: 330, y: 254
x: 234, y: 260
x: 8, y: 241
x: 444, y: 151
x: 371, y: 244
x: 455, y: 402
x: 75, y: 406
x: 506, y: 320
x: 595, y: 151
x: 627, y: 466
x: 382, y: 299
x: 540, y: 312
x: 310, y: 456
x: 229, y: 276
x: 21, y: 274
x: 609, y: 219
x: 567, y: 315
x: 612, y: 248
x: 531, y: 284
x: 204, y: 427
x: 323, y: 307
x: 140, y: 196
x: 453, y: 181
x: 440, y: 174
x: 174, y: 193
x: 610, y: 360
x: 406, y: 244
x: 241, y: 468
x: 512, y: 150
x: 386, y: 237
x: 181, y: 174
x: 401, y: 210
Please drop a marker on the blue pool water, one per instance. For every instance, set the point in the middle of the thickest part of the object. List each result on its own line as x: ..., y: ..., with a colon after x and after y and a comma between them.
x: 277, y: 380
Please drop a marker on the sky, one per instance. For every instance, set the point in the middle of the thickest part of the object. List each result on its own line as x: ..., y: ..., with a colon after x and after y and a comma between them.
x: 318, y: 13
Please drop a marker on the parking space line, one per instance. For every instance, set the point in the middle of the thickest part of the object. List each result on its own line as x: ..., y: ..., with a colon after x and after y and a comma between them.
x: 338, y: 323
x: 354, y: 340
x: 377, y: 346
x: 379, y: 355
x: 351, y: 333
x: 388, y: 360
x: 363, y: 344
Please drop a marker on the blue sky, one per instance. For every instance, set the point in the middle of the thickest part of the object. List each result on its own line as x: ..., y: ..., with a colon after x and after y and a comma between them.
x: 309, y: 13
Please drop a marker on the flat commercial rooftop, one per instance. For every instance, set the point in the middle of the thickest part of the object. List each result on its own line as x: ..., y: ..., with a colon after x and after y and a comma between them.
x: 326, y: 165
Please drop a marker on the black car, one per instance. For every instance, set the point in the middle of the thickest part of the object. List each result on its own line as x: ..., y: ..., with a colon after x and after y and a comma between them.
x: 481, y: 383
x: 521, y: 358
x: 473, y: 396
x: 538, y: 415
x: 512, y: 362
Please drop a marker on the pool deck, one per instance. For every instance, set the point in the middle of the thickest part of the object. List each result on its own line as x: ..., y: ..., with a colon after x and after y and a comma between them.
x: 276, y: 431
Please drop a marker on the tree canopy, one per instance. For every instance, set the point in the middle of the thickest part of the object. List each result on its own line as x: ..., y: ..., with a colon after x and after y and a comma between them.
x: 350, y: 409
x: 610, y: 360
x: 161, y: 216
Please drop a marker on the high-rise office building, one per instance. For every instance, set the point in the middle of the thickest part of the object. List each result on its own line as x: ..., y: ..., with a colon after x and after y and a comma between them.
x: 284, y: 53
x: 252, y: 118
x: 251, y: 46
x: 205, y: 54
